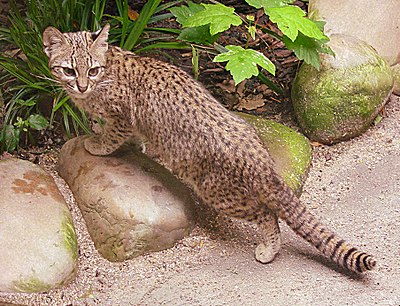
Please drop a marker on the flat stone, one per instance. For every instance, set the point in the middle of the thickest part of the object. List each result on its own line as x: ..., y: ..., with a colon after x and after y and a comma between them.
x: 38, y: 248
x: 342, y: 99
x: 131, y: 204
x: 290, y: 150
x: 375, y: 22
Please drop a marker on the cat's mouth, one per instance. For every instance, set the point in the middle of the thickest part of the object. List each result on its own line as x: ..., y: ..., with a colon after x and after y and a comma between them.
x: 77, y: 91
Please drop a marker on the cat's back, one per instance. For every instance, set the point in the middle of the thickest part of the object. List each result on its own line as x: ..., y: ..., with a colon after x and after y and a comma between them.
x: 155, y: 72
x: 168, y: 96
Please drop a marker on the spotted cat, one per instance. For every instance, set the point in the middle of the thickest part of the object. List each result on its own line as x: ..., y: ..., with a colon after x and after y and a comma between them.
x: 214, y: 152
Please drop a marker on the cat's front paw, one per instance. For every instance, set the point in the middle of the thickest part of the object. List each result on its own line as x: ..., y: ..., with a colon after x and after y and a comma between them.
x: 94, y: 146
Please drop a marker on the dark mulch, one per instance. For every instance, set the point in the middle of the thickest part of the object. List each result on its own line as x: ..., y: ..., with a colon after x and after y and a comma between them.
x: 251, y: 96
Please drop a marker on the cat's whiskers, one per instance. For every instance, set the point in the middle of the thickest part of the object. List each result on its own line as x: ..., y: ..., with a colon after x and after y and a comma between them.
x: 49, y: 79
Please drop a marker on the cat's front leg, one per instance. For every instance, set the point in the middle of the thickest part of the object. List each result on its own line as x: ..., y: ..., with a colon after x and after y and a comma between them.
x: 114, y: 134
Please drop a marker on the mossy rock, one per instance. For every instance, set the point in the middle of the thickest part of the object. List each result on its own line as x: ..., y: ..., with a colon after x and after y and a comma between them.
x: 131, y: 204
x: 38, y: 244
x: 342, y: 99
x: 290, y: 150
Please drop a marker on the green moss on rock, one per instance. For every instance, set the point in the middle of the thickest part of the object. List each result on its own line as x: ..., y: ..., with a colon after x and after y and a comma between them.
x: 31, y: 285
x: 290, y: 150
x: 341, y: 100
x: 70, y: 241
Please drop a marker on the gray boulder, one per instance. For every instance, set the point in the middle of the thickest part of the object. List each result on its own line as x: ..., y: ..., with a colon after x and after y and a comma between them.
x: 38, y: 248
x: 290, y: 150
x: 131, y: 205
x: 341, y: 100
x: 375, y: 22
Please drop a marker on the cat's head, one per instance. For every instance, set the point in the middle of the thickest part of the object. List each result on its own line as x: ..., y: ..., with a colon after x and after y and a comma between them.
x: 77, y: 60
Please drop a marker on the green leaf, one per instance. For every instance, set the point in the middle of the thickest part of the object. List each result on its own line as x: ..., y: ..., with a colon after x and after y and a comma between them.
x: 242, y: 63
x: 250, y: 18
x: 266, y: 4
x: 29, y: 102
x: 182, y: 13
x: 307, y: 48
x: 164, y: 45
x: 9, y: 137
x: 37, y: 122
x: 291, y: 21
x: 144, y: 16
x: 218, y: 16
x: 198, y: 35
x: 252, y: 31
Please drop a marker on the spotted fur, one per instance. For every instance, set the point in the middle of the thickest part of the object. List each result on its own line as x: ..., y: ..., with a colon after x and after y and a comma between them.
x: 216, y: 153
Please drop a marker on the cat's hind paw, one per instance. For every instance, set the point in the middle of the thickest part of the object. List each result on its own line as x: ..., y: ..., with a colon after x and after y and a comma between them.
x: 265, y: 253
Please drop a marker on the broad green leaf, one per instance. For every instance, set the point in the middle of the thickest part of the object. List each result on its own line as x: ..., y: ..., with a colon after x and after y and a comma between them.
x: 218, y: 16
x: 198, y: 35
x: 291, y: 21
x: 37, y: 122
x: 242, y: 63
x: 266, y: 4
x: 182, y: 13
x: 307, y: 48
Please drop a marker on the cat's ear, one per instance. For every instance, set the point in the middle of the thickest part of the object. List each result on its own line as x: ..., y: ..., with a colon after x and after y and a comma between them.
x: 100, y: 41
x: 53, y: 39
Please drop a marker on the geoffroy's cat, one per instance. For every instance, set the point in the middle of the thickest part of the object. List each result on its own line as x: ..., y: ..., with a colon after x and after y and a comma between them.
x: 214, y: 152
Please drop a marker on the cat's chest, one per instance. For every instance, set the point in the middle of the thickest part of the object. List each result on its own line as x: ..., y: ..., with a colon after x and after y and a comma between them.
x: 97, y: 104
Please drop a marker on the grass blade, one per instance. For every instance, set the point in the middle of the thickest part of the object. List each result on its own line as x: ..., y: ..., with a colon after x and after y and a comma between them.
x: 145, y: 14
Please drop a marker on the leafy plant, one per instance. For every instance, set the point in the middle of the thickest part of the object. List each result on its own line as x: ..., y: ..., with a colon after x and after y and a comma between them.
x: 13, y: 133
x: 242, y: 63
x: 26, y: 78
x: 24, y: 74
x: 136, y: 33
x: 300, y: 34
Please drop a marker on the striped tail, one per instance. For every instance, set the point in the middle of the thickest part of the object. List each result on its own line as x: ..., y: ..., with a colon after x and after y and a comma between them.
x: 328, y: 243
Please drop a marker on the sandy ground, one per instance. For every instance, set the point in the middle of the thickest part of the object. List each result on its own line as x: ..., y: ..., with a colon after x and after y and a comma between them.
x: 353, y: 186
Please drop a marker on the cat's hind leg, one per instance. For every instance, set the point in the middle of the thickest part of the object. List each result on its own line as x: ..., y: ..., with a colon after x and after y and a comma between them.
x: 266, y: 251
x: 267, y: 223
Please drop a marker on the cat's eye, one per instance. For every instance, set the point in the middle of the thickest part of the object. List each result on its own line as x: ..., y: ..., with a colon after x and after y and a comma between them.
x: 94, y: 71
x: 69, y: 72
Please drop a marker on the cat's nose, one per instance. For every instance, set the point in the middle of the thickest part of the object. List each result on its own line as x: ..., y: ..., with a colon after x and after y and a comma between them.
x: 82, y: 89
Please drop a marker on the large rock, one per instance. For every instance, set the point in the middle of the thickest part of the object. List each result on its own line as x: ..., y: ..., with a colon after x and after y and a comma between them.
x: 38, y: 248
x: 131, y: 205
x: 375, y: 22
x: 341, y: 100
x: 290, y: 150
